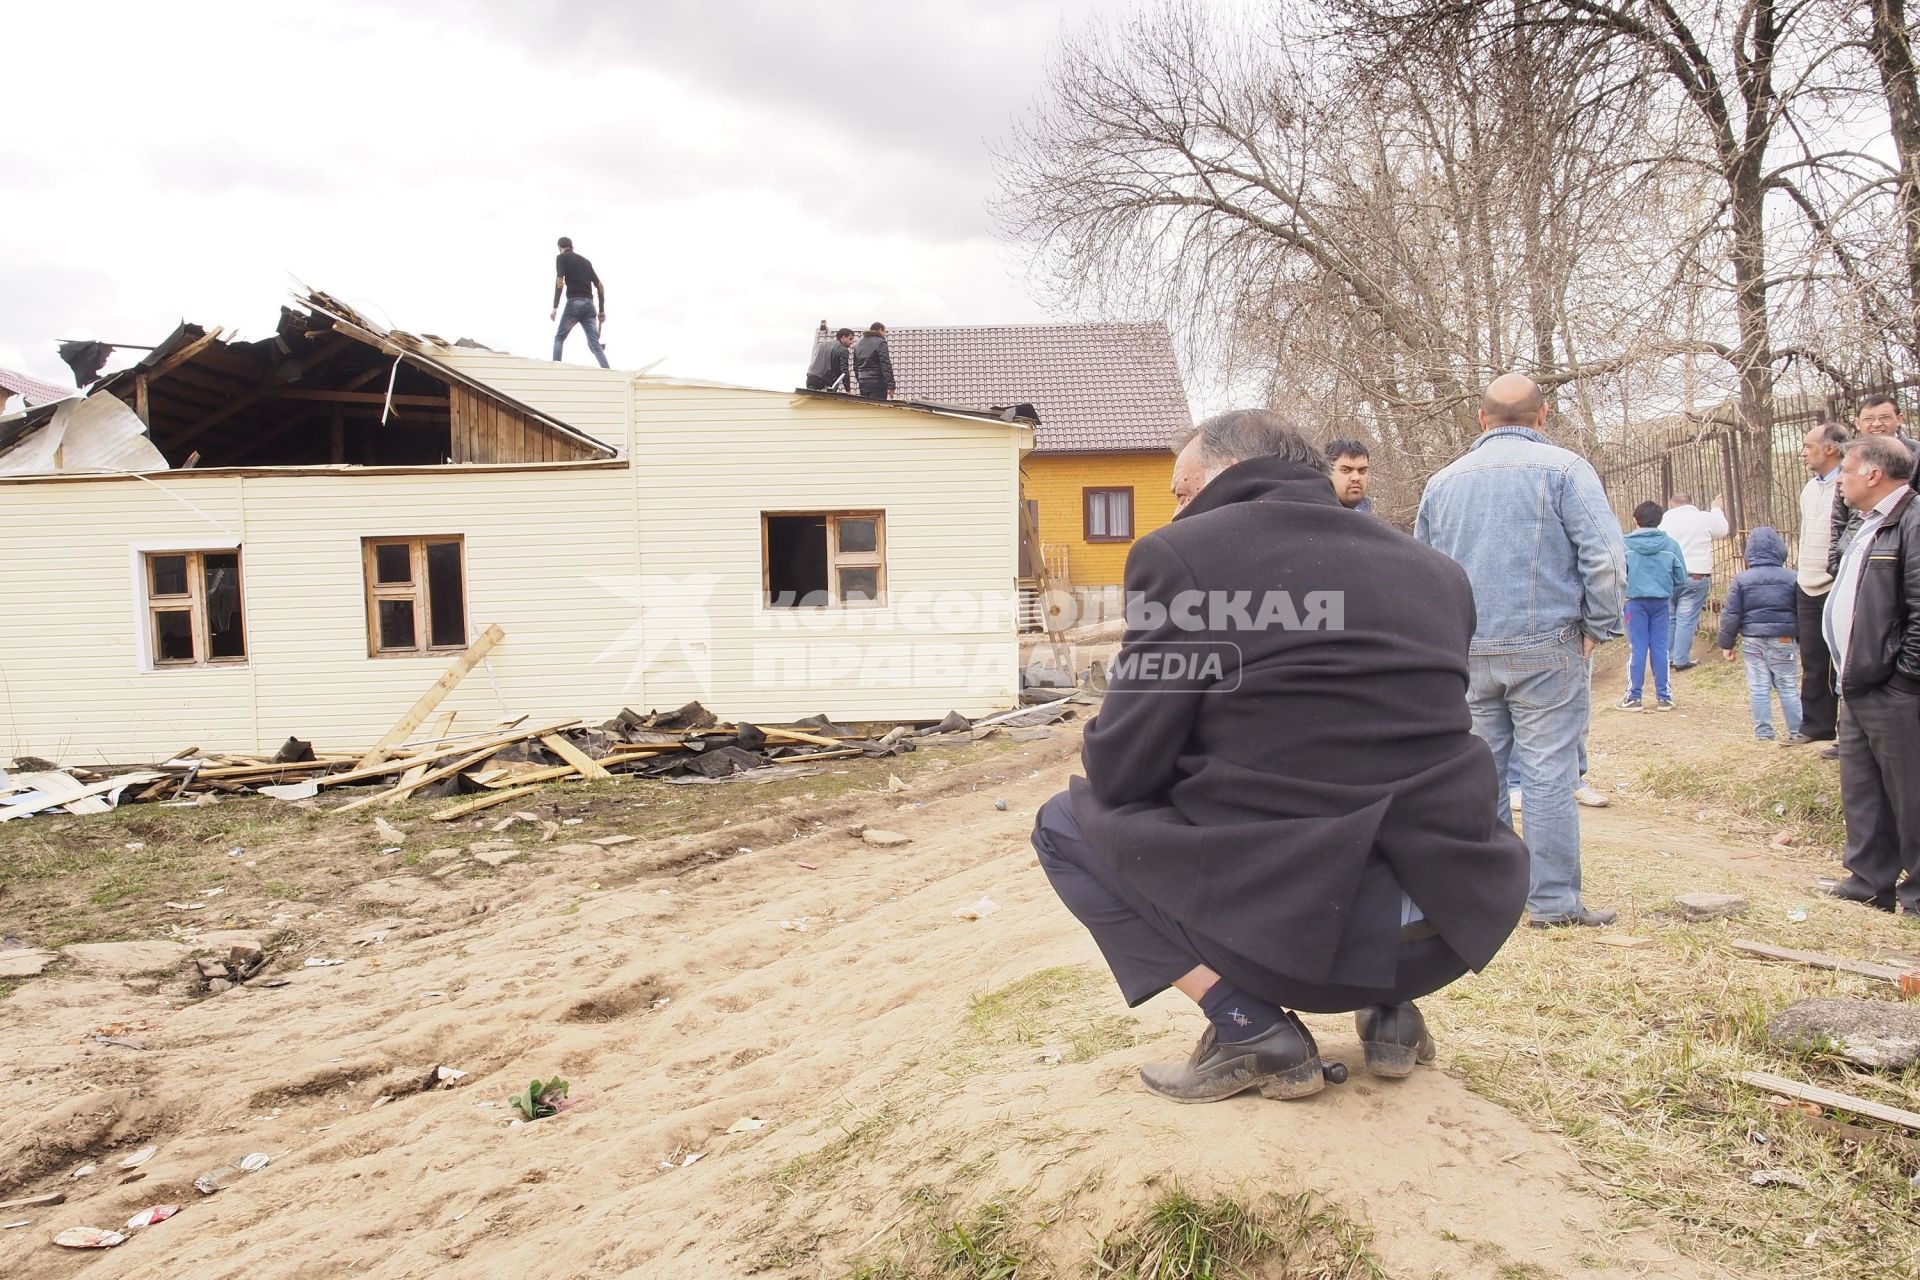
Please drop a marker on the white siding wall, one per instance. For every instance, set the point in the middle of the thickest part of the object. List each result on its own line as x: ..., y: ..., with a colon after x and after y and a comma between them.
x: 587, y: 571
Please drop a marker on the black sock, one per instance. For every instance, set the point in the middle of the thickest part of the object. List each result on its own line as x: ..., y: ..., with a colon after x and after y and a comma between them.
x: 1236, y: 1015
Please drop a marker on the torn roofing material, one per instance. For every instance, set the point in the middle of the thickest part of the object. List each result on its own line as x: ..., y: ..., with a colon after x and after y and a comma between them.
x: 1097, y: 387
x: 32, y: 390
x: 328, y: 386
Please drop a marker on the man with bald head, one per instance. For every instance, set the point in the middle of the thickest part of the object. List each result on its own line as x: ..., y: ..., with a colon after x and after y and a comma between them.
x: 1531, y: 525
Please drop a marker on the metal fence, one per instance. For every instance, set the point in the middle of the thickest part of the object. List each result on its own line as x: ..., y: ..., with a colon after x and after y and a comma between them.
x: 1715, y: 458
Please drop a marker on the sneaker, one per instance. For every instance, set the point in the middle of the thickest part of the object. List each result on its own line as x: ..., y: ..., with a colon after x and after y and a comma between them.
x: 1684, y: 666
x: 1763, y: 737
x: 1830, y: 753
x: 1628, y: 704
x: 1591, y: 798
x: 1664, y: 704
x: 1795, y: 740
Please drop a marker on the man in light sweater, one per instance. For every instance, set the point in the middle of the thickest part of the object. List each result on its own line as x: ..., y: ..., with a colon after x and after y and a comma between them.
x: 1820, y: 705
x: 1695, y: 531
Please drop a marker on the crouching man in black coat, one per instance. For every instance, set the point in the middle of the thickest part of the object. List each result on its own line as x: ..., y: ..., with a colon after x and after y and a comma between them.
x: 1285, y: 807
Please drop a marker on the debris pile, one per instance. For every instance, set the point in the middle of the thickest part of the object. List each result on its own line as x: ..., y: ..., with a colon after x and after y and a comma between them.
x: 505, y: 764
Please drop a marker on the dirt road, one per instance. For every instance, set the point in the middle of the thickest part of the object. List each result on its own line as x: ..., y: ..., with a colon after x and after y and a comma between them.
x: 898, y: 1054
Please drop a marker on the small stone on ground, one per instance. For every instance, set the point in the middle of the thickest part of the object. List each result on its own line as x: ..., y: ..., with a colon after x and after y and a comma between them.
x: 1872, y: 1033
x: 1711, y: 906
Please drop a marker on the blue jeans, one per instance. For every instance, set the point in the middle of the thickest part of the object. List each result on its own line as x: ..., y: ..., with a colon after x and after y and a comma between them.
x: 580, y: 311
x: 1687, y: 603
x: 1530, y: 708
x: 1773, y: 666
x: 1647, y: 635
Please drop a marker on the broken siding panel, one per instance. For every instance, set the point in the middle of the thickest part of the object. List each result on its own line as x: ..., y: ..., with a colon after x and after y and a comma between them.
x: 709, y: 461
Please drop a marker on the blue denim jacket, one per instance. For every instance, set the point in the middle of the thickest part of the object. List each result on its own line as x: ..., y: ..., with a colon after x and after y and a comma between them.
x: 1530, y: 524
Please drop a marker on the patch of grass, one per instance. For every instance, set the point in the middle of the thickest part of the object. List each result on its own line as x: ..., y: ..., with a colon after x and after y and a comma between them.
x: 1061, y: 1006
x: 1181, y: 1237
x: 1635, y: 1057
x: 982, y: 1245
x: 817, y: 1168
x: 1792, y: 790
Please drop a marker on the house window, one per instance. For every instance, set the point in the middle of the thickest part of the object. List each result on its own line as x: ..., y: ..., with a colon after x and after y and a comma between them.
x: 826, y: 558
x: 416, y: 594
x: 194, y: 617
x: 1108, y: 514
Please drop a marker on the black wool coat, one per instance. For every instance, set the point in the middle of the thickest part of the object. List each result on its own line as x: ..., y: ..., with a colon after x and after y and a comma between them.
x: 1271, y: 801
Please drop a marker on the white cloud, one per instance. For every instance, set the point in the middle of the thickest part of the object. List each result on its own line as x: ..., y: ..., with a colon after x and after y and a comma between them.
x: 735, y: 172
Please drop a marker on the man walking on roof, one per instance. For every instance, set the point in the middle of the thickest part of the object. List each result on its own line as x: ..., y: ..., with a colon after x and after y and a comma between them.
x: 872, y: 366
x: 576, y: 276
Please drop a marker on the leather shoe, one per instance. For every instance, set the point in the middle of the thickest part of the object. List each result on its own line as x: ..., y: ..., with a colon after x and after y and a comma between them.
x: 1283, y: 1062
x: 1830, y: 753
x: 1395, y: 1038
x: 1591, y: 919
x: 1878, y: 901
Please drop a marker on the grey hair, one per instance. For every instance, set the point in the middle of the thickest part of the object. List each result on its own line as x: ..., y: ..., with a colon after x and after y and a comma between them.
x: 1240, y: 434
x: 1833, y: 434
x: 1885, y: 454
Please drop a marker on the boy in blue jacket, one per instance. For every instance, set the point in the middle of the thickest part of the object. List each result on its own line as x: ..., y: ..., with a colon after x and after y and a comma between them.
x: 1656, y: 570
x: 1760, y: 611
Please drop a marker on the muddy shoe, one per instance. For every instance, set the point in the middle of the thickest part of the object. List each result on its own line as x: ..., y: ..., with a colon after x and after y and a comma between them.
x: 1283, y: 1063
x: 1395, y: 1039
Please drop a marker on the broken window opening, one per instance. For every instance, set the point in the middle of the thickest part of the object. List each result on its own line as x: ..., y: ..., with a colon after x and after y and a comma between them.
x: 416, y: 595
x: 817, y: 560
x: 195, y: 617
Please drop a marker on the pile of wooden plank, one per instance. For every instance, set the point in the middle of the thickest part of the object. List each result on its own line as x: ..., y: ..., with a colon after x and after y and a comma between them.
x: 503, y: 763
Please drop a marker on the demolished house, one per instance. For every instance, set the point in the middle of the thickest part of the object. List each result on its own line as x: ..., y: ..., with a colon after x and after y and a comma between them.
x: 234, y: 541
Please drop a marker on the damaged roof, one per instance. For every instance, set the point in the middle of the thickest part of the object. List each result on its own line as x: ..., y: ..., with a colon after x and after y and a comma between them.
x: 327, y: 383
x: 1097, y: 388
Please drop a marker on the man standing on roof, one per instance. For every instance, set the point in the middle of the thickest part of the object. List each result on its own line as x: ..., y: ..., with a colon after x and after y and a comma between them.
x: 872, y: 366
x: 829, y: 370
x: 576, y: 276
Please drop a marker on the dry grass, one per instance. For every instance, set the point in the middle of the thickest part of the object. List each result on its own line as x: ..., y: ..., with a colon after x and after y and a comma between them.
x: 1634, y: 1054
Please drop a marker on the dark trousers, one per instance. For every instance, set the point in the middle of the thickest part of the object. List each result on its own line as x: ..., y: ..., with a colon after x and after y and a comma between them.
x: 1880, y: 793
x: 820, y: 382
x: 1819, y: 705
x: 874, y: 390
x: 1146, y: 948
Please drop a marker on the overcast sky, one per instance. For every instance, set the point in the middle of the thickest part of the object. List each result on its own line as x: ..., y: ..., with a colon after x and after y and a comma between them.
x: 736, y: 171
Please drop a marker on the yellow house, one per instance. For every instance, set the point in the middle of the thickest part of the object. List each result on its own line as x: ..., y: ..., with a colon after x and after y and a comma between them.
x: 295, y: 536
x: 1107, y: 398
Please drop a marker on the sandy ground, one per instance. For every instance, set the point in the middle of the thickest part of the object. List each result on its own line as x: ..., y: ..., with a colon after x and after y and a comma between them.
x: 658, y: 977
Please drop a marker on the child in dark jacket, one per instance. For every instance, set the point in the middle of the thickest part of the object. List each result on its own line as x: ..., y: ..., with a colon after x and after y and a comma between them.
x: 1760, y: 613
x: 1656, y: 569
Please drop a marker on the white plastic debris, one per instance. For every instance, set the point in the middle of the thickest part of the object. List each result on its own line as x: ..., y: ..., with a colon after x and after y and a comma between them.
x: 139, y: 1157
x: 84, y: 1170
x: 255, y: 1162
x: 978, y: 910
x: 147, y: 1217
x: 322, y: 962
x: 88, y: 1238
x: 746, y: 1124
x: 794, y: 926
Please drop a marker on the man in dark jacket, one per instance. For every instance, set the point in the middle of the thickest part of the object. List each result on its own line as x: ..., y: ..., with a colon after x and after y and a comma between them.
x: 829, y: 367
x: 1879, y: 415
x: 1285, y: 807
x: 1873, y: 631
x: 872, y: 366
x: 1761, y: 614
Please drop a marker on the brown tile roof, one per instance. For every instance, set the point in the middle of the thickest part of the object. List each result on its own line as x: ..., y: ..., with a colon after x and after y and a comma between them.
x: 1097, y: 387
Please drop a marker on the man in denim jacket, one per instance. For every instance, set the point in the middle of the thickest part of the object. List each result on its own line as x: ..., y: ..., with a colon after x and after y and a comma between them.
x: 1531, y: 525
